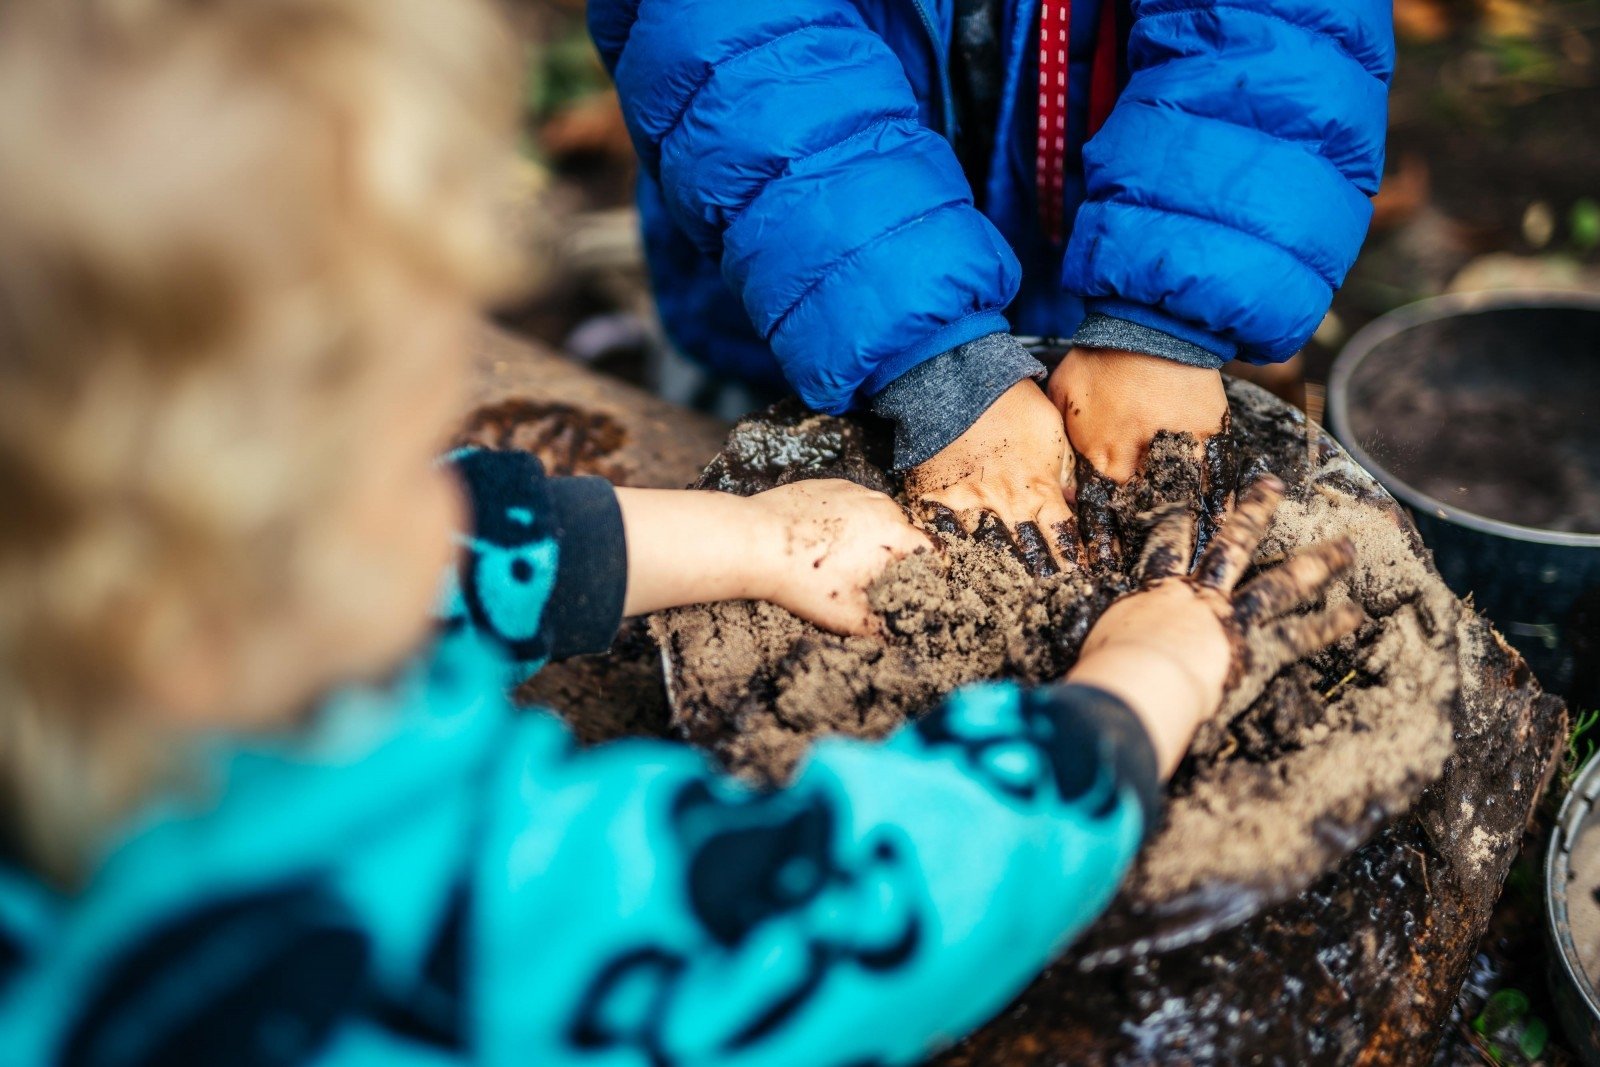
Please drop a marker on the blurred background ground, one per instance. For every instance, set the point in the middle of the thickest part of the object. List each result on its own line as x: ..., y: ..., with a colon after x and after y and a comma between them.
x: 1493, y: 182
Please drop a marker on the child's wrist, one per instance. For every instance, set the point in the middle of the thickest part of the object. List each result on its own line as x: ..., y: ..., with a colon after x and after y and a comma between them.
x: 1169, y: 698
x: 761, y: 567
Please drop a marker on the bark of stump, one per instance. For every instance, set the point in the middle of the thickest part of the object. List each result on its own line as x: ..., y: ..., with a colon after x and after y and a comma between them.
x: 1363, y: 967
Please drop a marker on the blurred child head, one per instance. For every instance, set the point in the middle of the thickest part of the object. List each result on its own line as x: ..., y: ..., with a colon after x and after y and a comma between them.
x: 241, y: 245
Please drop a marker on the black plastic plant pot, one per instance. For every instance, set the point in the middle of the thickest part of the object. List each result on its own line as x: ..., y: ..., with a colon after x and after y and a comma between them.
x: 1531, y: 360
x: 1576, y: 997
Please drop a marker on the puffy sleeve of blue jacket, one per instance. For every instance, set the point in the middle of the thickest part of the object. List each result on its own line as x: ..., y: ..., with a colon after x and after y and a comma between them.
x: 1229, y: 191
x: 788, y: 145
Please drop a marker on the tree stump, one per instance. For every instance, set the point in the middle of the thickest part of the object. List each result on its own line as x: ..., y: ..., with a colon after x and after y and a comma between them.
x: 1362, y: 967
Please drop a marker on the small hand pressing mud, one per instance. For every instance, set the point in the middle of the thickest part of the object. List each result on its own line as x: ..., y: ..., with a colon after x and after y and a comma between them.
x: 1306, y: 759
x: 1260, y: 620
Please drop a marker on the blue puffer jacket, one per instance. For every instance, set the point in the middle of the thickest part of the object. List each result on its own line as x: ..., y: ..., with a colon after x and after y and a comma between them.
x: 797, y: 159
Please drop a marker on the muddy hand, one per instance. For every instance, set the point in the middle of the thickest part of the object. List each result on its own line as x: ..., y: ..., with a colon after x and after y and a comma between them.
x: 1113, y: 403
x: 1191, y: 640
x: 1263, y: 627
x: 821, y: 544
x: 1000, y: 482
x: 1099, y: 544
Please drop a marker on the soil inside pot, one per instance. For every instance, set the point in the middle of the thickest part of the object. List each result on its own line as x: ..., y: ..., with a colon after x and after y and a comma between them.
x: 1488, y: 448
x: 1333, y: 746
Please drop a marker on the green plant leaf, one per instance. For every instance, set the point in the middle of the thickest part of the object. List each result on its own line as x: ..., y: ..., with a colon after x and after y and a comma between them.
x: 1584, y: 222
x: 1506, y: 1007
x: 1535, y: 1036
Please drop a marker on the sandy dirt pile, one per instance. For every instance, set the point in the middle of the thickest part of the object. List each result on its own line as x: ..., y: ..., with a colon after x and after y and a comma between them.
x: 1331, y: 748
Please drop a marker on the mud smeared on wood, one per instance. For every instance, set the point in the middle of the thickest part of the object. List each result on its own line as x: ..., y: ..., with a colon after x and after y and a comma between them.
x: 568, y: 440
x: 1362, y: 967
x: 1267, y: 801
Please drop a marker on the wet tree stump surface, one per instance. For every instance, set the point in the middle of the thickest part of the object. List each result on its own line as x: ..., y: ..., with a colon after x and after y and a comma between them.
x: 1362, y: 967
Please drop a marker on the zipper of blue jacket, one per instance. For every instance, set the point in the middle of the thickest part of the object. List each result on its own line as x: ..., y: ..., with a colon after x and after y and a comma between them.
x: 941, y: 63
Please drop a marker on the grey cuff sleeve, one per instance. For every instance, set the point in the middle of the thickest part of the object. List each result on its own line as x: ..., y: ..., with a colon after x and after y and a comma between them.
x: 936, y: 401
x: 1103, y: 331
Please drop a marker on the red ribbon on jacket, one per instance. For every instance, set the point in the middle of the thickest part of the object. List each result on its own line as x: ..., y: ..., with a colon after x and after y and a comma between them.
x: 1055, y: 42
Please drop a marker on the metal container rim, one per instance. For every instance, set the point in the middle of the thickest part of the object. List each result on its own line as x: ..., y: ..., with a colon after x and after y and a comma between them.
x: 1410, y: 317
x: 1575, y: 811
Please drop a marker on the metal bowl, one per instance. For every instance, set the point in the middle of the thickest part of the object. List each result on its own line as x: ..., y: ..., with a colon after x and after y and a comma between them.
x: 1540, y: 587
x: 1577, y: 1000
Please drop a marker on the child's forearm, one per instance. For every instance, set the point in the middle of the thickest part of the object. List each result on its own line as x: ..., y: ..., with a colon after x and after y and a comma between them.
x: 689, y: 547
x: 1168, y: 701
x: 812, y: 547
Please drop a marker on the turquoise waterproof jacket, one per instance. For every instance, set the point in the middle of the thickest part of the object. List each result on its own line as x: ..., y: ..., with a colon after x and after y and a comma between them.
x: 429, y: 876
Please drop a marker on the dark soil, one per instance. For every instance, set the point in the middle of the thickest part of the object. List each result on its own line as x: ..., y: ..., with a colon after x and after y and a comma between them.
x: 568, y: 440
x: 1267, y: 801
x: 1498, y: 454
x: 604, y: 697
x: 1491, y: 410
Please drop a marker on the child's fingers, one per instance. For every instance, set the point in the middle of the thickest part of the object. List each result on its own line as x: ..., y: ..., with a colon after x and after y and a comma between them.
x: 940, y: 518
x: 991, y: 532
x: 852, y: 617
x: 1169, y: 546
x: 1298, y: 636
x: 1057, y: 533
x: 1234, y: 546
x: 1097, y: 529
x: 1064, y: 534
x: 904, y: 539
x: 1035, y: 551
x: 1301, y: 579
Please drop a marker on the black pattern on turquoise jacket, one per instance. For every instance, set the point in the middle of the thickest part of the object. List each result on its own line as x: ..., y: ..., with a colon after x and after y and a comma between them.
x: 430, y: 876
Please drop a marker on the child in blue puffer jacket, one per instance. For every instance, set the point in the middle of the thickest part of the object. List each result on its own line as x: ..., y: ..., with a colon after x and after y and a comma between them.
x: 874, y: 198
x: 265, y: 806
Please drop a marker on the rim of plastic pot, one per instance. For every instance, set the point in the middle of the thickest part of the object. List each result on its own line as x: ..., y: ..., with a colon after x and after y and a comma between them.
x: 1409, y: 317
x: 1575, y: 811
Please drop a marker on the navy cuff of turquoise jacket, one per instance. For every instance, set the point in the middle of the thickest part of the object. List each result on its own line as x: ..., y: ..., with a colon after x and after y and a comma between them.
x: 1097, y: 725
x: 585, y: 609
x: 1139, y: 328
x: 936, y: 401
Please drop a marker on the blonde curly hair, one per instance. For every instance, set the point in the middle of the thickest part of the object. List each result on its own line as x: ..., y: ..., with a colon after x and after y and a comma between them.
x: 207, y: 211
